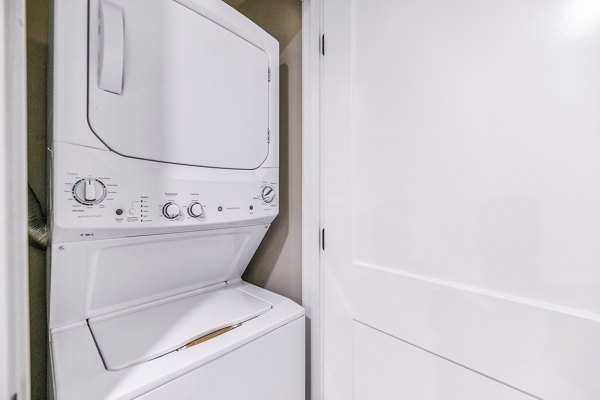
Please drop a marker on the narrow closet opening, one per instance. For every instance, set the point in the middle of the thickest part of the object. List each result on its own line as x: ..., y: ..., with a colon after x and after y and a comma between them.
x: 277, y: 265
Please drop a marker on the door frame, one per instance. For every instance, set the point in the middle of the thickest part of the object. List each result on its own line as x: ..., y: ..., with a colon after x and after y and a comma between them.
x: 14, y: 269
x: 312, y: 53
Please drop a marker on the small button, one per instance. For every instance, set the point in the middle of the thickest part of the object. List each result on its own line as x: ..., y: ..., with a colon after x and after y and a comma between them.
x: 220, y: 208
x: 132, y: 211
x: 251, y: 207
x: 119, y: 211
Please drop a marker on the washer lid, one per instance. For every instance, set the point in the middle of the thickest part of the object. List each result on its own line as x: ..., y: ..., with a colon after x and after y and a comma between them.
x: 168, y: 84
x: 133, y: 337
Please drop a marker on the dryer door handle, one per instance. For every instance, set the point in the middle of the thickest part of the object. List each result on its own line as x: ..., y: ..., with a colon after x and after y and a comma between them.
x: 110, y: 56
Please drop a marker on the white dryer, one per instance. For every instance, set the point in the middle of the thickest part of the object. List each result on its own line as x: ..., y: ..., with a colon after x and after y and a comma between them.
x: 164, y: 158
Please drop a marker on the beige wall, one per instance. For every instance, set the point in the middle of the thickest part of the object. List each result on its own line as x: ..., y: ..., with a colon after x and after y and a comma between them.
x: 277, y: 264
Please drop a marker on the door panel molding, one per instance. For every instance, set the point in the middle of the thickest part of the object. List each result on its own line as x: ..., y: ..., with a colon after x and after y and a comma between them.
x: 512, y: 340
x: 412, y: 367
x: 460, y: 194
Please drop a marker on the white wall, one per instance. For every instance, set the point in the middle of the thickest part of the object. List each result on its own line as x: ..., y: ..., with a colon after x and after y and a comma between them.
x: 14, y: 321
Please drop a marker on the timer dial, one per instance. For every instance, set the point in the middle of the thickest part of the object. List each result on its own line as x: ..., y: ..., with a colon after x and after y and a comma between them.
x: 195, y: 210
x: 89, y: 191
x: 267, y: 194
x: 171, y: 210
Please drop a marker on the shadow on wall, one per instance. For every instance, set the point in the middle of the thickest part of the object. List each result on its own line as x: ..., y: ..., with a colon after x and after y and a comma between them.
x: 263, y: 263
x: 277, y: 264
x: 37, y: 83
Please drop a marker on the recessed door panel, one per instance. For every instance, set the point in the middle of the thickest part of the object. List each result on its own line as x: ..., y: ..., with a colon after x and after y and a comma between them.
x: 168, y: 84
x: 461, y: 202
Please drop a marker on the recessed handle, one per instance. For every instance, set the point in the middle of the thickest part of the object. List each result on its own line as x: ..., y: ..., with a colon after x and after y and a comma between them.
x: 110, y: 56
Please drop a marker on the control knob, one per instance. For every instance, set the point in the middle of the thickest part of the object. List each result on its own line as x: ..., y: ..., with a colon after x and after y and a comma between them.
x: 195, y: 210
x: 171, y: 210
x: 89, y: 191
x: 267, y: 194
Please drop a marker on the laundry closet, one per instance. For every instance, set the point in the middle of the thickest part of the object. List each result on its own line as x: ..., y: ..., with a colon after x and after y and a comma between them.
x: 276, y: 265
x: 317, y: 199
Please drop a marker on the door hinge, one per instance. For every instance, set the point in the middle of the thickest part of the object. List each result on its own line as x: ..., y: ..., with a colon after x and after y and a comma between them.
x: 322, y: 44
x: 269, y: 74
x: 268, y: 136
x: 323, y: 238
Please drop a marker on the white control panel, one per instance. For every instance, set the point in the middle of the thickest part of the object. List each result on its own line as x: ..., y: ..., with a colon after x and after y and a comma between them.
x: 99, y: 194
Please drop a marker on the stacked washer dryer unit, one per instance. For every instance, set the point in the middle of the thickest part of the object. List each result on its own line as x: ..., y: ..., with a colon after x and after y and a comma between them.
x: 164, y: 181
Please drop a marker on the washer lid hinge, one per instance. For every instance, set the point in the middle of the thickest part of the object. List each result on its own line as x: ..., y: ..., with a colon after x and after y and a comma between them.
x: 268, y: 136
x: 269, y: 74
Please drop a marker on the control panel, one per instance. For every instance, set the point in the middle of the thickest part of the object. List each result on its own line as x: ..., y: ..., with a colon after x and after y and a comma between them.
x: 96, y: 200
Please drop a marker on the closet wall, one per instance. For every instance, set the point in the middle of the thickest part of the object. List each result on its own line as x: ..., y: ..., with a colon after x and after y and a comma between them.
x: 277, y: 263
x: 37, y: 83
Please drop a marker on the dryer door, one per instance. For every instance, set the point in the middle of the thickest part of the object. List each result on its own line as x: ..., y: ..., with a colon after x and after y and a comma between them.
x: 168, y: 84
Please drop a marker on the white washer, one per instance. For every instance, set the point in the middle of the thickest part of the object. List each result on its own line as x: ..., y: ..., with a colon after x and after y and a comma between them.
x: 164, y: 158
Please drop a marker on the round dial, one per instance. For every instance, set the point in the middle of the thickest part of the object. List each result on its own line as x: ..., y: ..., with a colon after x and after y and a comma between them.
x: 195, y: 210
x: 171, y: 210
x: 268, y: 194
x: 89, y: 191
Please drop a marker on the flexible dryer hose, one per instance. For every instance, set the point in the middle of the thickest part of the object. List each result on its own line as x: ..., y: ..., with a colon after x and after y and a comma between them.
x: 37, y: 227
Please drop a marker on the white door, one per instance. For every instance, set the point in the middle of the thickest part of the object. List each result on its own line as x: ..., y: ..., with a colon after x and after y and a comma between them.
x: 166, y: 83
x: 461, y: 203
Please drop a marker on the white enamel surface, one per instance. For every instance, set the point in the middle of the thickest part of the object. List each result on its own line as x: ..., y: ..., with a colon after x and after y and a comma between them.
x: 469, y: 219
x: 98, y: 277
x: 70, y: 68
x: 275, y: 365
x: 146, y: 187
x: 193, y: 92
x: 132, y: 337
x: 272, y: 367
x: 113, y: 252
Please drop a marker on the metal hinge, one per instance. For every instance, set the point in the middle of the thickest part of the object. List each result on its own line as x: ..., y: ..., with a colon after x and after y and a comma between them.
x: 323, y: 238
x: 269, y: 74
x: 268, y: 136
x: 322, y: 44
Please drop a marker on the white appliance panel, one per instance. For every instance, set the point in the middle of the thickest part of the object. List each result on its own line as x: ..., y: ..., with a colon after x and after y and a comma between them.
x: 132, y: 337
x: 271, y: 367
x: 102, y: 276
x: 168, y: 84
x: 164, y: 159
x: 137, y: 191
x: 268, y: 351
